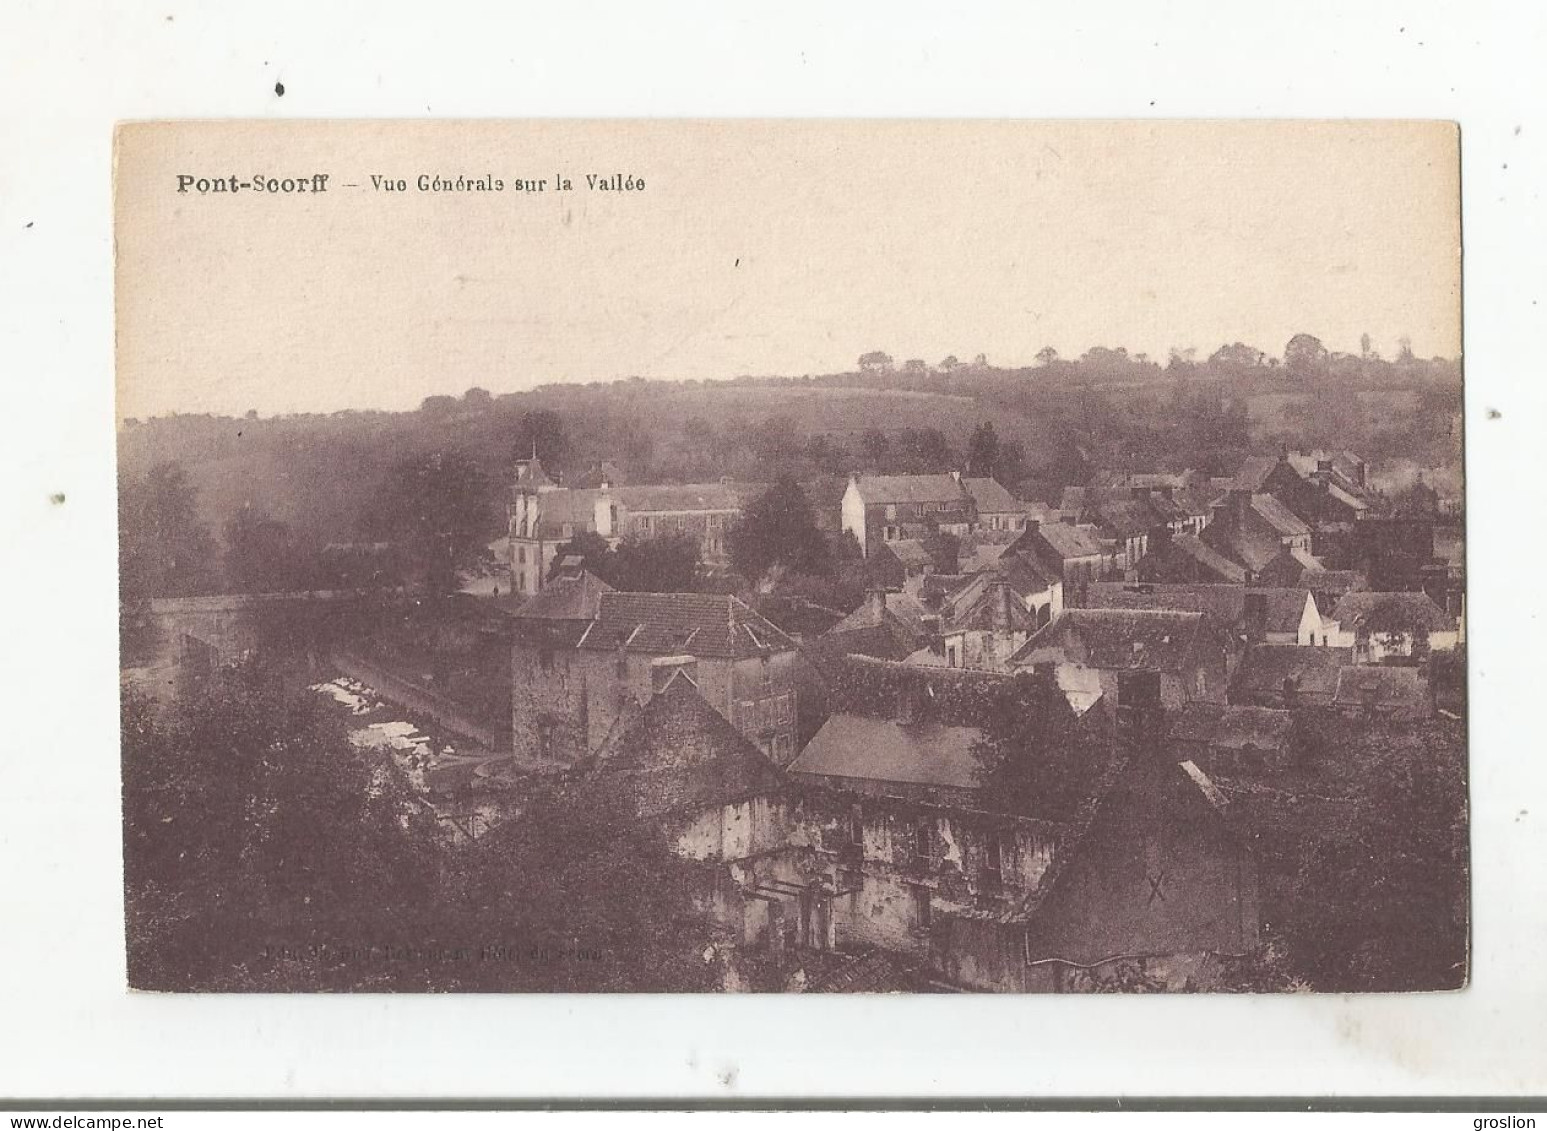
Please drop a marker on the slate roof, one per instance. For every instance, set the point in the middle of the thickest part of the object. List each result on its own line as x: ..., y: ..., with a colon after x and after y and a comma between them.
x: 1225, y: 604
x: 1333, y: 580
x: 678, y: 754
x: 1265, y: 667
x: 867, y: 631
x: 880, y: 489
x: 1397, y: 690
x: 1355, y: 608
x: 884, y: 750
x: 1232, y: 728
x: 1116, y: 639
x: 662, y: 497
x: 1190, y: 546
x: 996, y: 607
x: 1025, y: 575
x: 701, y: 624
x: 1278, y: 516
x: 990, y: 496
x: 1253, y: 473
x: 1068, y: 541
x: 577, y: 597
x: 912, y: 554
x: 1251, y: 544
x: 1127, y: 518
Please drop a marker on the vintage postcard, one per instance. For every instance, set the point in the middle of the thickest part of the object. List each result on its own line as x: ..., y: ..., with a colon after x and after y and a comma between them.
x: 868, y: 556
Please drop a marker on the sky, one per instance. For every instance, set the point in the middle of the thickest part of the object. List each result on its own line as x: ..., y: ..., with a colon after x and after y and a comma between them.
x: 757, y: 248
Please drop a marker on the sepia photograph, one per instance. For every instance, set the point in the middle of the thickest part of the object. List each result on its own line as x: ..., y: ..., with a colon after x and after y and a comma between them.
x: 867, y: 557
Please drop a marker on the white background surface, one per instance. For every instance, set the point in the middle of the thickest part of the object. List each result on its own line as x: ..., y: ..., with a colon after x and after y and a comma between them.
x: 67, y: 1027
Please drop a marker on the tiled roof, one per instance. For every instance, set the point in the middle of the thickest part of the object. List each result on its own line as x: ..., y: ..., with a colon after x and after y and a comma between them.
x: 883, y: 750
x: 679, y: 754
x: 1265, y: 667
x: 1116, y: 639
x: 1070, y: 541
x: 578, y: 597
x: 991, y: 496
x: 698, y: 624
x: 878, y: 489
x: 1232, y: 728
x: 1418, y: 608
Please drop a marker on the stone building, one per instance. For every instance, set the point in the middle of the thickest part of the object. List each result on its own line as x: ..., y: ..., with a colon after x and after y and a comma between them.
x: 573, y: 681
x: 889, y: 508
x: 1131, y: 658
x: 543, y: 516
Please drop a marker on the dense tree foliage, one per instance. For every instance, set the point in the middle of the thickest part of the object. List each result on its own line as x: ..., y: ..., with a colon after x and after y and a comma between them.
x: 264, y: 851
x: 163, y: 548
x: 778, y: 530
x: 1037, y: 756
x: 667, y: 563
x: 262, y: 556
x: 436, y: 508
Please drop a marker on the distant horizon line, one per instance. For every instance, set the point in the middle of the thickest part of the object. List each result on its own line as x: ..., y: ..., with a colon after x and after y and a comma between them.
x: 895, y: 367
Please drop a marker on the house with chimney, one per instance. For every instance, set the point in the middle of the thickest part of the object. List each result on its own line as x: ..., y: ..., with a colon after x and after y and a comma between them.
x: 880, y: 509
x: 981, y: 626
x: 1252, y: 529
x: 1131, y: 660
x: 572, y: 685
x: 1386, y: 627
x: 1072, y: 553
x: 543, y: 516
x: 997, y: 509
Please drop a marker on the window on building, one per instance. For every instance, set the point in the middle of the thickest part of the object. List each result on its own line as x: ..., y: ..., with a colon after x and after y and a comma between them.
x: 782, y: 748
x: 993, y: 858
x: 856, y: 826
x: 923, y: 839
x: 521, y: 555
x: 891, y: 534
x: 923, y: 911
x: 1201, y: 683
x: 545, y: 738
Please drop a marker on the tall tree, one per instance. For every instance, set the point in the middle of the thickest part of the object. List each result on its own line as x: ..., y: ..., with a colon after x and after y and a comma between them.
x: 252, y: 823
x: 665, y: 564
x: 262, y: 555
x: 1305, y: 356
x: 592, y: 898
x: 983, y: 451
x: 436, y: 508
x: 778, y: 528
x: 163, y: 548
